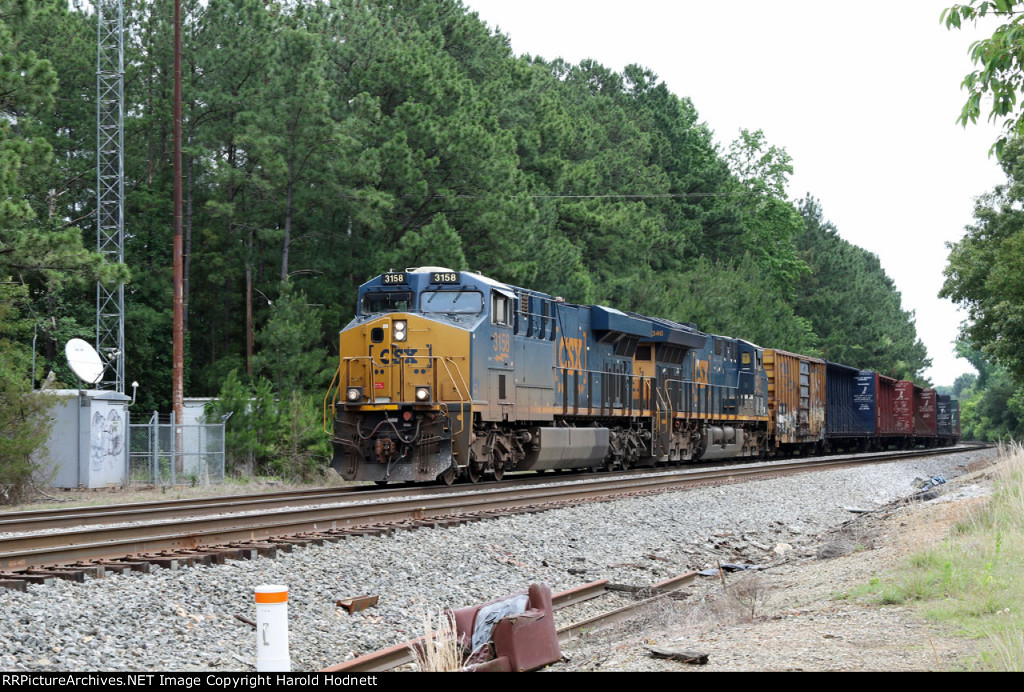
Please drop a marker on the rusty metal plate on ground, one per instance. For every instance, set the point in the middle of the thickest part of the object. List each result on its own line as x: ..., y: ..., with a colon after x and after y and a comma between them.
x: 354, y: 605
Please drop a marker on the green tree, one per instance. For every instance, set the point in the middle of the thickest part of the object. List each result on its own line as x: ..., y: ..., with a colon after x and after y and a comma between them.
x: 290, y: 356
x: 270, y: 434
x: 999, y: 79
x: 230, y: 63
x: 24, y: 414
x: 741, y: 302
x: 853, y: 306
x: 34, y: 249
x: 995, y: 412
x: 985, y: 270
x: 254, y: 427
x: 771, y: 223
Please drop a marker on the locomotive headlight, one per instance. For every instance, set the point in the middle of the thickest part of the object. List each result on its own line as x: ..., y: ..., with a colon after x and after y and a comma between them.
x: 422, y: 394
x: 354, y: 394
x: 399, y: 334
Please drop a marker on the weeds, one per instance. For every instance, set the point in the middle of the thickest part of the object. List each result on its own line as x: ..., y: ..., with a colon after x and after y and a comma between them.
x: 1007, y: 649
x: 438, y: 651
x: 971, y: 579
x: 743, y: 600
x: 750, y: 593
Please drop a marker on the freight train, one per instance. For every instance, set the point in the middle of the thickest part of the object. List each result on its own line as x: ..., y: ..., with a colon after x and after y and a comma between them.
x: 447, y: 375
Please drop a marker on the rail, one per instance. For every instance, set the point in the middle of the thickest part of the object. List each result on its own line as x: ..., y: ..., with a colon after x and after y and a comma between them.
x: 115, y: 540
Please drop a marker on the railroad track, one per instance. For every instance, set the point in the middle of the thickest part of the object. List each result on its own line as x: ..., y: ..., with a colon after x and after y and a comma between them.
x: 213, y: 529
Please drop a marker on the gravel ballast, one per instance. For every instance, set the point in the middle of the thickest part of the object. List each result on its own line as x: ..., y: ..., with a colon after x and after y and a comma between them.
x: 186, y: 619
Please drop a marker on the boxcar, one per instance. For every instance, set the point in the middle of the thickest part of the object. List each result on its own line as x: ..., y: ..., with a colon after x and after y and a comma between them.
x: 947, y: 420
x: 850, y: 407
x: 895, y: 408
x: 796, y: 401
x: 924, y: 416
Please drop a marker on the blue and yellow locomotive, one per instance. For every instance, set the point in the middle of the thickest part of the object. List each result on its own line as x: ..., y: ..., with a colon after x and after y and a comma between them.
x: 446, y: 374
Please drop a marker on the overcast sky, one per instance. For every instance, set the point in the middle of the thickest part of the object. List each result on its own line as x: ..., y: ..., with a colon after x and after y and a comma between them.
x: 863, y: 96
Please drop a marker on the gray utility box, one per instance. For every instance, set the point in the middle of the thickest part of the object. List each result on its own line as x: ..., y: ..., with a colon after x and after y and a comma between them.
x: 88, y: 444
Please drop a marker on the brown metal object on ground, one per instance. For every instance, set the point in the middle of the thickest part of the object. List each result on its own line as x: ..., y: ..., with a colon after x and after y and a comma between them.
x: 354, y: 605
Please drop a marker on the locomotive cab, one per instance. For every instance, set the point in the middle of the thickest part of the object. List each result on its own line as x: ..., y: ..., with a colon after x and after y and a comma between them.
x: 401, y: 398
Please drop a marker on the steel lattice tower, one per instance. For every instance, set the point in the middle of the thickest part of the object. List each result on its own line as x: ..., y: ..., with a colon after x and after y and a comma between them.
x: 110, y: 185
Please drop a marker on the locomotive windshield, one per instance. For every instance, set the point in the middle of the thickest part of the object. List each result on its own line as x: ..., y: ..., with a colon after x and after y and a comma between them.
x: 388, y: 301
x: 462, y: 302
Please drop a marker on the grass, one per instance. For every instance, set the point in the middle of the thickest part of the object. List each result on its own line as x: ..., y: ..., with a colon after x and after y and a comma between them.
x: 438, y: 650
x: 972, y: 580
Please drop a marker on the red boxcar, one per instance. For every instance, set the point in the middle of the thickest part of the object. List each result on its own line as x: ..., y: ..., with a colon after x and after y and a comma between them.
x: 895, y: 412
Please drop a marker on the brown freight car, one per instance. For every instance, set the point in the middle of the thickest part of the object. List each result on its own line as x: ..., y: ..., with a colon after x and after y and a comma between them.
x: 895, y: 412
x: 796, y: 402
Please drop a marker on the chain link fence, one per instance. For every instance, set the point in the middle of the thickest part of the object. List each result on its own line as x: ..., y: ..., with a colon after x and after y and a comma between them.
x: 161, y: 452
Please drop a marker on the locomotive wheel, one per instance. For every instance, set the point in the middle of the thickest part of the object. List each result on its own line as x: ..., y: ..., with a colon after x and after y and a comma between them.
x: 448, y: 477
x: 381, y: 483
x: 497, y: 466
x: 474, y: 473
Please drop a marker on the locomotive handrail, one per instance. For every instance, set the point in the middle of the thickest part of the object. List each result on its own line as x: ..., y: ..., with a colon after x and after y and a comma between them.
x: 347, y: 360
x: 327, y: 396
x: 663, y: 400
x: 627, y: 403
x: 462, y: 399
x: 443, y: 360
x: 401, y: 362
x: 709, y: 388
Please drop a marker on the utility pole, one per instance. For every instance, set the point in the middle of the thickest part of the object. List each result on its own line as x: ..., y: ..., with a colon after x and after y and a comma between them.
x: 178, y: 397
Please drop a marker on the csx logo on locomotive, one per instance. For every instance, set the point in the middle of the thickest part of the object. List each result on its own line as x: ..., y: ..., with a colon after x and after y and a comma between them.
x: 388, y: 356
x: 571, y: 353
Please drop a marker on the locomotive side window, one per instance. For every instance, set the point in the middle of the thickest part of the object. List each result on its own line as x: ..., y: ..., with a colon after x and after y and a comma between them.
x: 387, y: 301
x: 501, y: 309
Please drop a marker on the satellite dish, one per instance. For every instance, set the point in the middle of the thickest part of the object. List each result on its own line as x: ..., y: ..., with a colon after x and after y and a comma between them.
x: 84, y: 361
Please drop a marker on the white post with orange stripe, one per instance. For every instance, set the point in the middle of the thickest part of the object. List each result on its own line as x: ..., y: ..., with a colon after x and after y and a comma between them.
x: 272, y: 628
